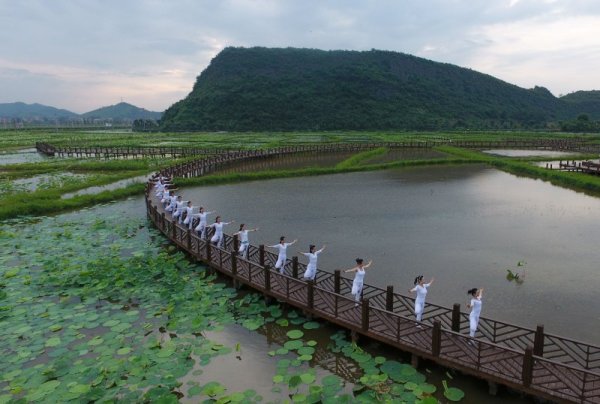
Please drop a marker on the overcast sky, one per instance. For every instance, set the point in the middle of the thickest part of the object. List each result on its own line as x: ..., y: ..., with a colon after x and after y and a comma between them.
x: 81, y: 55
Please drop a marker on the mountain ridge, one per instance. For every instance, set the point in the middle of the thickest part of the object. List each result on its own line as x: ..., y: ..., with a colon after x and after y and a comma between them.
x: 308, y: 89
x: 39, y: 112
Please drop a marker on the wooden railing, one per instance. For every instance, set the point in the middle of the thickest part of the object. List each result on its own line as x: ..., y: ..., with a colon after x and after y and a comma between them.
x: 163, y: 152
x: 523, y: 358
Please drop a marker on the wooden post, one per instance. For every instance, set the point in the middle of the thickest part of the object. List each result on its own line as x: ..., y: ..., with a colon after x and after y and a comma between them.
x: 456, y: 317
x: 389, y: 298
x: 174, y: 229
x: 436, y: 338
x: 538, y: 341
x: 337, y: 281
x: 188, y: 239
x: 295, y: 267
x: 310, y: 292
x: 365, y: 314
x: 233, y: 263
x: 261, y: 255
x: 268, y: 278
x: 236, y: 245
x: 162, y: 218
x: 527, y: 374
x: 208, y: 259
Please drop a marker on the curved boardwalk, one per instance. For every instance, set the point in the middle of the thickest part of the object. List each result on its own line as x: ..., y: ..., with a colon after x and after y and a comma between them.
x: 163, y: 152
x: 525, y: 359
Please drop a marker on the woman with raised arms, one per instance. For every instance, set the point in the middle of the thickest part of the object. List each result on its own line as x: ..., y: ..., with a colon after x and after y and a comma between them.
x: 475, y: 306
x: 421, y: 289
x: 243, y: 234
x: 201, y: 228
x: 359, y: 277
x: 311, y: 268
x: 217, y: 238
x: 281, y: 258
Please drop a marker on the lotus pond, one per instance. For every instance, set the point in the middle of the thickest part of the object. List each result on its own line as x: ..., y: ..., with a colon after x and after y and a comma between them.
x: 94, y: 306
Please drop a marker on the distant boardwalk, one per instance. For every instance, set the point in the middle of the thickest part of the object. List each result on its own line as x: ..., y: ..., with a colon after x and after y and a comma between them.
x: 163, y: 152
x: 525, y: 359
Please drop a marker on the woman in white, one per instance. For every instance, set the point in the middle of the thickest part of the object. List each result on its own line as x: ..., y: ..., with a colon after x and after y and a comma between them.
x: 201, y: 228
x: 475, y: 306
x: 166, y: 197
x: 189, y: 209
x: 217, y: 238
x: 243, y: 234
x: 359, y: 277
x: 281, y: 258
x: 421, y: 289
x: 179, y: 208
x: 311, y: 268
x: 172, y: 203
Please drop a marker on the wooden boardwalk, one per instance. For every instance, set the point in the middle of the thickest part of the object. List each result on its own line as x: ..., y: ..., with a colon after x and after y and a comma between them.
x: 525, y: 359
x: 164, y: 152
x: 587, y: 167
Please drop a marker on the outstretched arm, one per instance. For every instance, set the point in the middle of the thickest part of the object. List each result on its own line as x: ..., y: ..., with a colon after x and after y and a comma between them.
x: 352, y: 269
x: 368, y: 264
x: 480, y: 293
x: 253, y: 229
x: 293, y: 242
x: 321, y: 250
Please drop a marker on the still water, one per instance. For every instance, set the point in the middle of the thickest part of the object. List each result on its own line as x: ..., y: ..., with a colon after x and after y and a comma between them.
x: 463, y: 225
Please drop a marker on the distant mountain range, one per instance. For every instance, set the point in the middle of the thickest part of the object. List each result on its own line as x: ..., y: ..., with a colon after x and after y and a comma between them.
x: 266, y: 89
x: 121, y: 112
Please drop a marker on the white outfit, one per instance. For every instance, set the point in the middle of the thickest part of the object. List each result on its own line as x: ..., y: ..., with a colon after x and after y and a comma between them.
x: 201, y: 228
x: 474, y: 315
x: 311, y: 268
x: 165, y: 197
x: 281, y: 258
x: 357, y: 283
x: 217, y: 238
x: 243, y: 250
x: 420, y: 299
x: 180, y: 206
x: 188, y: 216
x: 172, y: 204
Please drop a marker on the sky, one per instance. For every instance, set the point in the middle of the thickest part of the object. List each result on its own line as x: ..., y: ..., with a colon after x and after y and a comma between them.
x: 82, y: 55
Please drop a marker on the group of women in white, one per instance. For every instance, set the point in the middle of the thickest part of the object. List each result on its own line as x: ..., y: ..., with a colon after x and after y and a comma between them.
x: 474, y: 305
x: 185, y: 213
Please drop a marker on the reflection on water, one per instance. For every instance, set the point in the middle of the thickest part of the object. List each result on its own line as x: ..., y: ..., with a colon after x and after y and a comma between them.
x: 529, y: 153
x: 463, y: 225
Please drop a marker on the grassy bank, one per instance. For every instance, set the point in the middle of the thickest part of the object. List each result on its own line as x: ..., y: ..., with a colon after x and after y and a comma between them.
x: 49, y: 201
x: 306, y: 172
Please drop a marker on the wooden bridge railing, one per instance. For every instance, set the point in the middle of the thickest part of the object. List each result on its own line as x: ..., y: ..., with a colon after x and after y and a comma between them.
x: 162, y: 152
x: 518, y: 368
x: 524, y: 358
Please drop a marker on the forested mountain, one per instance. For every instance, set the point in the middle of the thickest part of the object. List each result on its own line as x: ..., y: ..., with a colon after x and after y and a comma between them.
x: 122, y: 111
x: 584, y: 102
x: 308, y: 89
x: 20, y: 110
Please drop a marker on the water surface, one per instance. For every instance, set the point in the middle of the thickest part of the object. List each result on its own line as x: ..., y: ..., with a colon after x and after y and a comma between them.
x: 463, y: 225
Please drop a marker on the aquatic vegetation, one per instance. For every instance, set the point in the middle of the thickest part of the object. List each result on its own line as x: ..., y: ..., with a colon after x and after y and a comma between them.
x: 93, y: 307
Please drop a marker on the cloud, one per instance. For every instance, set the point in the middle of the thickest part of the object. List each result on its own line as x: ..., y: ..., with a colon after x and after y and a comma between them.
x: 83, y: 55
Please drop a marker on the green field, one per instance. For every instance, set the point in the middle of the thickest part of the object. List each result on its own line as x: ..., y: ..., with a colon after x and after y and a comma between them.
x: 56, y: 177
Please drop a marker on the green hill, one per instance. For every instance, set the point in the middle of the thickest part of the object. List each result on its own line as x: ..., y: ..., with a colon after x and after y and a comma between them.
x: 308, y: 89
x: 122, y: 112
